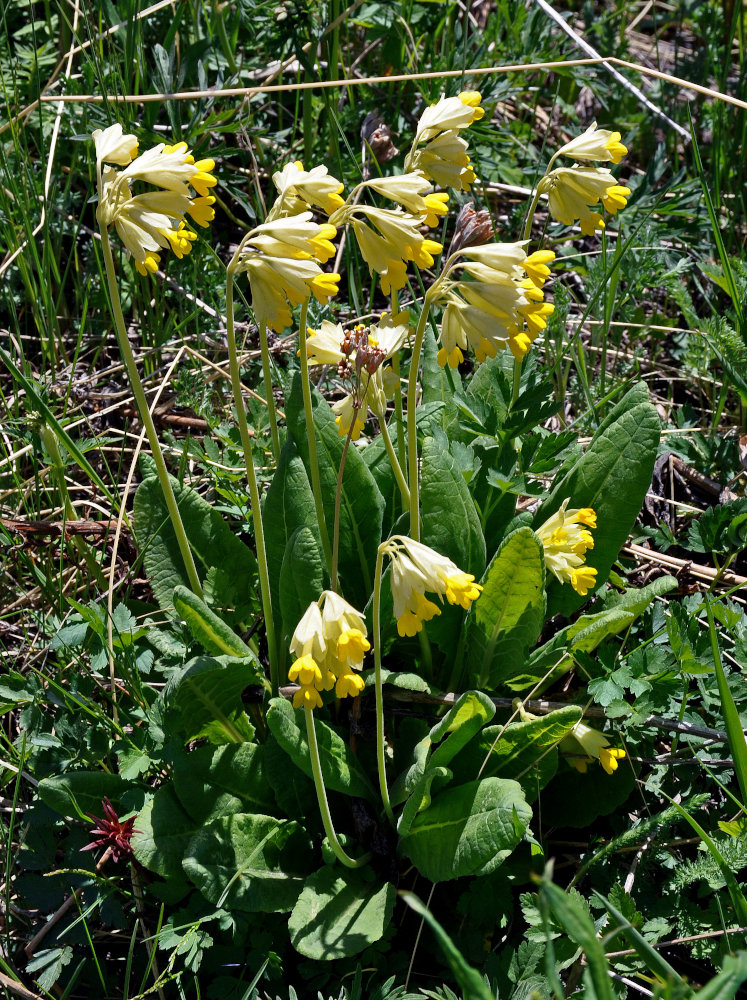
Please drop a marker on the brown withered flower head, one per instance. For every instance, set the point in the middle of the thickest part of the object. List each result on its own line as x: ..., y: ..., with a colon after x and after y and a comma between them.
x: 378, y: 135
x: 472, y: 228
x: 113, y: 834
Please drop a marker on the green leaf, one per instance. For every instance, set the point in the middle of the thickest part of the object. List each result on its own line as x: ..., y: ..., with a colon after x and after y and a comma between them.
x: 467, y: 830
x: 211, y: 782
x: 450, y: 522
x: 339, y: 913
x: 470, y: 981
x: 452, y: 732
x: 207, y: 628
x: 724, y: 986
x: 509, y: 614
x: 737, y: 743
x: 361, y: 503
x: 522, y: 748
x: 164, y: 830
x: 80, y: 793
x: 249, y: 862
x: 302, y: 577
x: 207, y: 693
x: 211, y: 540
x: 572, y: 913
x: 341, y: 769
x: 655, y: 962
x: 288, y: 505
x: 587, y: 632
x: 720, y: 528
x: 612, y: 478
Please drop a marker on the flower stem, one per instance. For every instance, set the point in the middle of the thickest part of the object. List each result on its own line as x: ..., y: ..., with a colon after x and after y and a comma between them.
x: 396, y: 467
x: 316, y: 485
x: 145, y: 416
x: 321, y: 794
x: 338, y: 499
x: 267, y: 375
x: 398, y: 411
x: 412, y: 436
x: 259, y: 538
x: 376, y: 629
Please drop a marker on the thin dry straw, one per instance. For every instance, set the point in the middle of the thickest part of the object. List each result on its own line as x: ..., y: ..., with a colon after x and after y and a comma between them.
x: 401, y: 78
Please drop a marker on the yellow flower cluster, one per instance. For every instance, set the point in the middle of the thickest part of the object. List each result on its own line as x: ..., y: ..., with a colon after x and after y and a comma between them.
x: 299, y: 190
x: 575, y: 192
x: 415, y: 569
x: 502, y: 305
x: 439, y: 152
x: 565, y: 540
x: 153, y: 220
x: 329, y: 643
x: 594, y: 745
x: 281, y: 259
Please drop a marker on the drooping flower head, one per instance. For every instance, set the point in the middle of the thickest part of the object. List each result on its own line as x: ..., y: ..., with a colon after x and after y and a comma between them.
x: 415, y: 569
x: 595, y: 746
x: 594, y: 144
x: 299, y: 190
x: 498, y: 302
x: 438, y: 151
x: 574, y: 194
x: 330, y: 644
x: 153, y: 220
x: 388, y: 239
x: 565, y: 540
x: 281, y: 259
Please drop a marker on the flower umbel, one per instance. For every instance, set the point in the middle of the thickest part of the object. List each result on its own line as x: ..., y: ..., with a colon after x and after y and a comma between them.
x: 574, y: 194
x: 152, y: 220
x: 503, y: 305
x: 594, y: 745
x: 565, y: 540
x: 415, y: 569
x: 330, y: 643
x: 444, y: 158
x: 281, y: 258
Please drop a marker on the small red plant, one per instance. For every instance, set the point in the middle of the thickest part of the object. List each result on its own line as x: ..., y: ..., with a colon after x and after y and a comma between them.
x: 112, y: 834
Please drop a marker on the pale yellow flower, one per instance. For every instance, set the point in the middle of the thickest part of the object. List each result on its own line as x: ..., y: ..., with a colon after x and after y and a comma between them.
x: 395, y: 240
x: 152, y: 220
x: 415, y: 569
x: 594, y: 745
x: 330, y: 643
x: 112, y: 146
x: 574, y: 193
x: 594, y: 144
x: 281, y: 258
x: 565, y: 540
x: 502, y: 306
x: 413, y: 192
x: 299, y: 189
x: 449, y: 113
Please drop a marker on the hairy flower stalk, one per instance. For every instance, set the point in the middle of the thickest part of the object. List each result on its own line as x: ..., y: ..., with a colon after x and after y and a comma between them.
x: 146, y: 223
x: 565, y: 540
x: 246, y: 444
x: 329, y: 644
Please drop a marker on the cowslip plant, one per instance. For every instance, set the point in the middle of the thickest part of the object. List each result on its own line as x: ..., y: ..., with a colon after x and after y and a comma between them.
x: 411, y: 538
